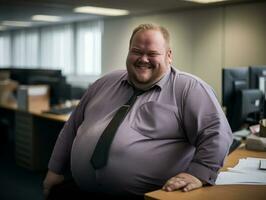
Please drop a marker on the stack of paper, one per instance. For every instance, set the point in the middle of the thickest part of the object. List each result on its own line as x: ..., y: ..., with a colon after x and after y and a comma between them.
x: 241, y: 133
x: 245, y: 172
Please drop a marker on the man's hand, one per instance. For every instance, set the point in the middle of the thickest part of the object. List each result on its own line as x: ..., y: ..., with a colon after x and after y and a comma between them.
x: 183, y: 181
x: 50, y: 180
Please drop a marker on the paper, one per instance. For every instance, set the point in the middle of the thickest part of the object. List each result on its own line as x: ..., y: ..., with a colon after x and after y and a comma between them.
x: 229, y: 178
x: 241, y: 133
x: 245, y: 172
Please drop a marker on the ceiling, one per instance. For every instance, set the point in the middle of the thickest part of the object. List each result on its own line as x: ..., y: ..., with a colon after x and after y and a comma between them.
x: 22, y: 10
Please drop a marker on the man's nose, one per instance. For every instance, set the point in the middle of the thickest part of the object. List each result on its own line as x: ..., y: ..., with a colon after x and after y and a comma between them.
x: 144, y: 58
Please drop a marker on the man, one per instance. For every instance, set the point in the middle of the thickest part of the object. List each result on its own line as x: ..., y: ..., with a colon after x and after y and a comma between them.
x: 174, y: 136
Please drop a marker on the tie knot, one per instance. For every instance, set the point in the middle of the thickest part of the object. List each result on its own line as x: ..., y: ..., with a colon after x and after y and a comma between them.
x: 138, y: 92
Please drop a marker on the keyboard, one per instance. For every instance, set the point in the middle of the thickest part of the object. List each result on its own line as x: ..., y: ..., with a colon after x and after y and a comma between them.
x: 61, y: 111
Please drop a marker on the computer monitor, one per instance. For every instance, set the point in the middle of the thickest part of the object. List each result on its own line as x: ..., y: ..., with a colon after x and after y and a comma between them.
x: 257, y: 78
x: 233, y: 80
x: 22, y: 75
x: 44, y: 72
x: 60, y: 90
x: 255, y: 74
x: 248, y: 107
x: 18, y: 75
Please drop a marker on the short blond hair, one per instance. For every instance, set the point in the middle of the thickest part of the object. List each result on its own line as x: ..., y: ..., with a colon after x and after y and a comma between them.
x: 144, y: 27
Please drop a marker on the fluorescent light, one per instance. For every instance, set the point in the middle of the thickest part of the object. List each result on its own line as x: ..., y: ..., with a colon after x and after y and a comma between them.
x: 206, y: 1
x: 101, y: 11
x: 16, y: 23
x: 46, y: 18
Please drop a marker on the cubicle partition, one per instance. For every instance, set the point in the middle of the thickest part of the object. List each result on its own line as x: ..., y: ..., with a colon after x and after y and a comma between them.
x: 60, y: 90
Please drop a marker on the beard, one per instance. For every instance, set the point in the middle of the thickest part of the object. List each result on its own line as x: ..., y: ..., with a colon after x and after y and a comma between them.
x: 140, y: 64
x: 144, y: 75
x: 143, y: 72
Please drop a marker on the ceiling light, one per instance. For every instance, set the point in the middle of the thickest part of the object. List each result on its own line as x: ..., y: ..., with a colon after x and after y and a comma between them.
x: 46, y: 18
x: 206, y: 1
x: 17, y: 23
x: 101, y: 11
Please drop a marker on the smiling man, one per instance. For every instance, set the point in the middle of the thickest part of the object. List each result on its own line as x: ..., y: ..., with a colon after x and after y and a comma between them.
x: 141, y: 129
x: 149, y: 57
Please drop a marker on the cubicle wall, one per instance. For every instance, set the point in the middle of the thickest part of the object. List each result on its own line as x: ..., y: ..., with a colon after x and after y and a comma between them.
x: 60, y: 90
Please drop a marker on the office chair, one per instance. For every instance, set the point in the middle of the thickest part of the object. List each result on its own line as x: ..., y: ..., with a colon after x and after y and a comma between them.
x: 248, y: 108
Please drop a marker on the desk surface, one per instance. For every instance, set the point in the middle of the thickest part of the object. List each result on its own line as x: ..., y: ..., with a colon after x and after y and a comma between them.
x: 62, y: 118
x: 219, y: 192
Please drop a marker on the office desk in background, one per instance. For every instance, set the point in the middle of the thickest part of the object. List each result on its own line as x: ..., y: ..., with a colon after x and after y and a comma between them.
x: 35, y: 134
x: 219, y: 192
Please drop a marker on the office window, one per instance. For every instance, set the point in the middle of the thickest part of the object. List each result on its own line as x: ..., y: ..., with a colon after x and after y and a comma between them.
x: 25, y: 48
x: 32, y: 47
x: 75, y: 48
x: 56, y: 50
x: 88, y: 52
x: 5, y: 50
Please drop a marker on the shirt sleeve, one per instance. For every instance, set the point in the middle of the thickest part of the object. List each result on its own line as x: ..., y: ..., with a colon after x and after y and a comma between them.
x: 208, y: 130
x: 60, y: 158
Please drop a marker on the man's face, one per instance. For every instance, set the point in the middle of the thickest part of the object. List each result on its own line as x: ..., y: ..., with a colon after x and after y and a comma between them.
x: 148, y: 58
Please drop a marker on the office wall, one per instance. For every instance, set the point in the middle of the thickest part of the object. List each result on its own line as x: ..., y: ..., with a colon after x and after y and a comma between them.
x: 245, y: 35
x: 203, y: 40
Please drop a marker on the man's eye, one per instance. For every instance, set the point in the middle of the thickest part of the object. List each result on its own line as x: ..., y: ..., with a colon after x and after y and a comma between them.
x: 153, y: 54
x: 136, y: 52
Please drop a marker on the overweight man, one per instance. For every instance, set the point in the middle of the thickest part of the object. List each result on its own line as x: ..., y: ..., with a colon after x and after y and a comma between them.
x: 148, y: 127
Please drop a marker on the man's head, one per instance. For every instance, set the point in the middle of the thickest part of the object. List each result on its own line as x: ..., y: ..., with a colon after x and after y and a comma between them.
x: 149, y: 55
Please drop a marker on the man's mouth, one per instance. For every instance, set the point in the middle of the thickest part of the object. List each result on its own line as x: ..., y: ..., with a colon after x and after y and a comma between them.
x: 143, y: 67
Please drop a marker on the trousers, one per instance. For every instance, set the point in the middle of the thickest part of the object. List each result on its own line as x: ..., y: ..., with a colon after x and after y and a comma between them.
x: 69, y: 190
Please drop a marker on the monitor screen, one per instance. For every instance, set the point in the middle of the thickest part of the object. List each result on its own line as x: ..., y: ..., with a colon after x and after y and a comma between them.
x: 233, y: 79
x: 22, y: 75
x: 44, y: 72
x: 255, y: 72
x: 262, y: 84
x: 248, y: 107
x: 257, y: 79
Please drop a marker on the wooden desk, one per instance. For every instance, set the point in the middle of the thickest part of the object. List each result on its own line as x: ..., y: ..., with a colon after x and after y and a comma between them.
x: 35, y: 134
x: 219, y: 192
x: 48, y: 116
x: 13, y: 107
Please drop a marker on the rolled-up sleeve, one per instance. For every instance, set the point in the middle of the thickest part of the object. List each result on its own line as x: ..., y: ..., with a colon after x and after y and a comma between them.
x: 207, y: 129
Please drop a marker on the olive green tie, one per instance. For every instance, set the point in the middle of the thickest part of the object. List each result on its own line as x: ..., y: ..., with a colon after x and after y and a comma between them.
x: 100, y: 154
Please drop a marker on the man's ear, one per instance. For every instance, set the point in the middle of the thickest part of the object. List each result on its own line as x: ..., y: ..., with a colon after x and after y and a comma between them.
x: 170, y: 56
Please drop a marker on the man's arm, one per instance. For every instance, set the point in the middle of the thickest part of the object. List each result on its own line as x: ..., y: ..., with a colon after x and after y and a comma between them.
x: 207, y: 129
x: 51, y: 180
x: 61, y: 153
x: 60, y: 157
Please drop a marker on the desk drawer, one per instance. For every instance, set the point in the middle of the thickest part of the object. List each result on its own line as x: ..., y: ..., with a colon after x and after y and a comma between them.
x: 24, y: 139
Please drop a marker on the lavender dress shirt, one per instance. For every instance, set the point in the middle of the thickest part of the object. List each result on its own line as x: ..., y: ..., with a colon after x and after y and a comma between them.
x: 178, y: 126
